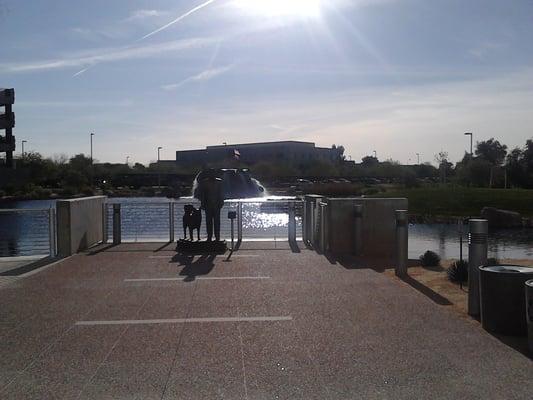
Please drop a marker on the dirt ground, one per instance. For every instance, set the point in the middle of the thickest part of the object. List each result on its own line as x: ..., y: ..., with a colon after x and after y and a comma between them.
x: 436, y: 280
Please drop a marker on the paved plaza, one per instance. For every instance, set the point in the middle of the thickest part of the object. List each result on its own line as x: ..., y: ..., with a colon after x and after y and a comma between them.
x: 138, y: 321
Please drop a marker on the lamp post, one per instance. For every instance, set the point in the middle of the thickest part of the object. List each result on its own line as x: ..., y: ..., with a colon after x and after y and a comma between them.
x: 158, y: 173
x: 92, y: 134
x: 24, y: 141
x: 471, y: 142
x: 92, y: 165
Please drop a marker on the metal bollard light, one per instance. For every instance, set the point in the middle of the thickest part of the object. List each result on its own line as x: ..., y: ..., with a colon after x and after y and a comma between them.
x: 239, y: 222
x: 117, y: 224
x: 477, y: 256
x: 358, y: 229
x: 402, y: 242
x: 292, y: 223
x: 171, y: 221
x: 306, y: 221
x: 232, y: 215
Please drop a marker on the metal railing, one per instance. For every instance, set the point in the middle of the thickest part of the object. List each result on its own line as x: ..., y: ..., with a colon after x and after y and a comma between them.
x: 28, y: 231
x: 162, y: 221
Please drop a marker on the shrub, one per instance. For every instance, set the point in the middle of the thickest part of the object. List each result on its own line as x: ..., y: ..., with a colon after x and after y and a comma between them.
x: 430, y: 259
x: 458, y: 271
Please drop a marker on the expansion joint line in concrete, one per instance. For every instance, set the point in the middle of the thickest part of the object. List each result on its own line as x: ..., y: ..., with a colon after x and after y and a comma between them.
x: 183, y: 320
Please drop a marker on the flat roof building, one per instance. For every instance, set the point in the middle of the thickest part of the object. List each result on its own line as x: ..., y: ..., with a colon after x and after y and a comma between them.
x: 252, y: 153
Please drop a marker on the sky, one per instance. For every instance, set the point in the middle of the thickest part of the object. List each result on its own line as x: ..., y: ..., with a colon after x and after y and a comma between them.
x: 396, y: 76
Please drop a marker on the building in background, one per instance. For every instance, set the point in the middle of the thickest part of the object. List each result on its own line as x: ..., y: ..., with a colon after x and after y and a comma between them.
x: 253, y: 153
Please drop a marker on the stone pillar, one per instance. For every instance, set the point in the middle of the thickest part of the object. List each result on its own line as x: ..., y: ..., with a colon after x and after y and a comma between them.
x: 79, y: 224
x: 309, y: 218
x: 292, y: 223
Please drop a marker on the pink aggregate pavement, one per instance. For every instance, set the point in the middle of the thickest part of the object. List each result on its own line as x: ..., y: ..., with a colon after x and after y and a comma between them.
x: 345, y: 333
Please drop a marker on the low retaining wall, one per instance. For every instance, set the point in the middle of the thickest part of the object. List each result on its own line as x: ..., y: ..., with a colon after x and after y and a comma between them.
x: 378, y: 225
x: 79, y: 224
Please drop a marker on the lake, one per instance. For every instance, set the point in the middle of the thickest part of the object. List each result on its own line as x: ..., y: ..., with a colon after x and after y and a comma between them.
x: 147, y: 219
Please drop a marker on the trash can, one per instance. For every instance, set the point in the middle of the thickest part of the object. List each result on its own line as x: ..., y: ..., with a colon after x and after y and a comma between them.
x: 529, y: 314
x: 502, y: 298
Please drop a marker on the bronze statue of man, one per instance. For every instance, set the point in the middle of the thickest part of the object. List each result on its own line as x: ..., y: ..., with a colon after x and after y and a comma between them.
x: 211, y: 197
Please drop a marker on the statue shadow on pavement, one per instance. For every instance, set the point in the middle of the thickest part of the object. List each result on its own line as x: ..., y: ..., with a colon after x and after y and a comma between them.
x: 203, y: 265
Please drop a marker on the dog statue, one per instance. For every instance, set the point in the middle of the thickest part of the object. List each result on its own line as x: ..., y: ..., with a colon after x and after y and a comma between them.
x: 192, y: 219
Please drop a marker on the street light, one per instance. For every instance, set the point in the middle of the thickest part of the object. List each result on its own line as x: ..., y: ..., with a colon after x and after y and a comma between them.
x: 24, y: 141
x: 92, y: 134
x: 471, y: 141
x: 92, y: 165
x: 158, y: 154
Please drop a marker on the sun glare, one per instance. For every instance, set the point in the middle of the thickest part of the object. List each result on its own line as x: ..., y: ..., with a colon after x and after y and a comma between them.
x: 281, y: 8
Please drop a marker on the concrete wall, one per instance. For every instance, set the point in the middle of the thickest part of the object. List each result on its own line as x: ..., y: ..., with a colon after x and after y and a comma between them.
x: 79, y: 224
x: 378, y: 225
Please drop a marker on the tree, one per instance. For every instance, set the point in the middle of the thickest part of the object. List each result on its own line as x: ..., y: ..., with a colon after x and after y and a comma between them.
x: 492, y: 151
x: 369, y: 161
x: 445, y: 167
x: 340, y: 152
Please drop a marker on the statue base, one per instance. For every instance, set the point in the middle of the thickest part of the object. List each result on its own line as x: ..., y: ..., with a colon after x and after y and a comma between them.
x: 201, y: 247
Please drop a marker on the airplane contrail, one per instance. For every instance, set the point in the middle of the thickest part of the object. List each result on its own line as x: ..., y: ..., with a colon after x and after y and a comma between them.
x: 181, y: 17
x: 192, y: 11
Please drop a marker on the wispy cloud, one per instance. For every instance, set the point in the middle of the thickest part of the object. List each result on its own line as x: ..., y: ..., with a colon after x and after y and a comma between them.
x: 486, y: 48
x: 201, y: 77
x: 139, y: 15
x: 181, y: 17
x: 90, y: 58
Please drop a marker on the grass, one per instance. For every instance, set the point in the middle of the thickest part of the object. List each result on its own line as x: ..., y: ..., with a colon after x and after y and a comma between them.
x: 462, y: 201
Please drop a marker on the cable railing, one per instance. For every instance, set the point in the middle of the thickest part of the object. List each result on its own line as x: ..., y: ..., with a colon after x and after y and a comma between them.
x: 27, y: 232
x: 267, y: 219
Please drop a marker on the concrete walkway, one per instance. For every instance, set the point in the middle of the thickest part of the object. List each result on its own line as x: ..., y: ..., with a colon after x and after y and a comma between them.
x: 140, y: 322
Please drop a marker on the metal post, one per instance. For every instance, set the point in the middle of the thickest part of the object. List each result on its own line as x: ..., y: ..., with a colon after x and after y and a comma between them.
x: 239, y: 222
x: 477, y: 256
x: 292, y: 223
x: 104, y: 223
x: 117, y: 224
x: 171, y: 221
x: 232, y: 233
x: 358, y: 229
x: 402, y: 242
